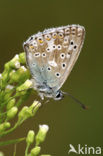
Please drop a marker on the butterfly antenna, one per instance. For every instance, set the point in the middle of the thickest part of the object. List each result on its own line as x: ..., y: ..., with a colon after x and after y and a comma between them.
x: 76, y: 100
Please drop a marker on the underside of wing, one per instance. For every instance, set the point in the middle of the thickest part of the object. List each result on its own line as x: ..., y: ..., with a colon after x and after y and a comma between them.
x: 52, y: 54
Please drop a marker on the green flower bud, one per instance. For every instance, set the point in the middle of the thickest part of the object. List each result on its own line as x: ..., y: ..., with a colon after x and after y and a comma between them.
x: 34, y: 107
x: 8, y: 91
x: 35, y: 151
x: 9, y: 87
x: 22, y: 74
x: 11, y: 113
x: 17, y: 64
x: 40, y: 137
x: 22, y: 58
x: 14, y: 76
x: 7, y: 125
x: 4, y: 126
x: 20, y: 93
x: 26, y: 85
x: 28, y: 112
x: 7, y: 95
x: 7, y: 66
x: 22, y: 69
x: 23, y: 114
x: 1, y: 127
x: 30, y: 137
x: 10, y: 104
x: 12, y: 72
x: 4, y: 77
x: 0, y: 76
x: 14, y: 63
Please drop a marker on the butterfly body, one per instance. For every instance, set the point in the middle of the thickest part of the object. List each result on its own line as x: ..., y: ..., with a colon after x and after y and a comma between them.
x: 50, y: 57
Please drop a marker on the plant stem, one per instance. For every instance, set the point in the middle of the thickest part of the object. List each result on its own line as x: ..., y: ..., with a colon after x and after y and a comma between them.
x: 27, y: 148
x: 8, y: 131
x: 5, y: 143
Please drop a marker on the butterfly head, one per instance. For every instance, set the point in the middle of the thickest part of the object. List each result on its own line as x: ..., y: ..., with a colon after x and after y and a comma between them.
x: 59, y: 95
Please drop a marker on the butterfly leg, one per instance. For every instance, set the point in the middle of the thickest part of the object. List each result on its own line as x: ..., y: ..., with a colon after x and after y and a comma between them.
x: 41, y: 95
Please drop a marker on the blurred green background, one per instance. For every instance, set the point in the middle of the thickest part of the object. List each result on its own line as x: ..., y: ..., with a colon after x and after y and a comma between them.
x: 68, y: 123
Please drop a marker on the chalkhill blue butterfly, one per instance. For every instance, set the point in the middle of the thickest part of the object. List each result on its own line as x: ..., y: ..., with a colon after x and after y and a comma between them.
x: 50, y: 57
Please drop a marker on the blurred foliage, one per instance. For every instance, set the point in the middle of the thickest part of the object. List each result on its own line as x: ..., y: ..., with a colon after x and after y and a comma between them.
x: 15, y: 88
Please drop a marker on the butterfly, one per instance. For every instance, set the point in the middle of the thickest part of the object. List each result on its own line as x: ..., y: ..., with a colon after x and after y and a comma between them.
x: 50, y: 57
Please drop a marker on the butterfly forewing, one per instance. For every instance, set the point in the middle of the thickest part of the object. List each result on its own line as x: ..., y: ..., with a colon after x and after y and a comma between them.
x: 52, y: 54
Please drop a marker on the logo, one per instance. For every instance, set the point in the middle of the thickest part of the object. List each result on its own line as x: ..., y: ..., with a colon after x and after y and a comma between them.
x: 84, y: 149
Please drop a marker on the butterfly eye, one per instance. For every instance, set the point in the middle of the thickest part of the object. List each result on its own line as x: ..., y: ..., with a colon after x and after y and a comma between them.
x: 58, y: 95
x: 54, y: 35
x: 67, y: 31
x: 48, y: 37
x: 57, y: 74
x: 40, y: 39
x: 62, y: 55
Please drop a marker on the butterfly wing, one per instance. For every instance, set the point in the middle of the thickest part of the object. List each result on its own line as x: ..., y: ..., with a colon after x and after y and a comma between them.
x: 52, y: 54
x: 37, y: 54
x: 71, y: 47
